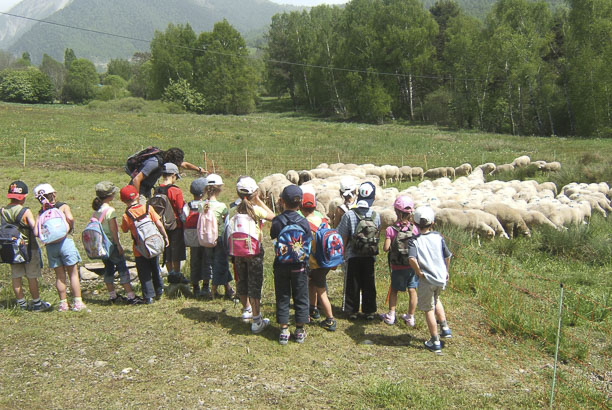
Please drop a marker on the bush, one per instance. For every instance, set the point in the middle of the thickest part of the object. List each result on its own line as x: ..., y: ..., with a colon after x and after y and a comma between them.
x: 136, y: 105
x: 25, y: 86
x: 180, y: 92
x: 438, y: 108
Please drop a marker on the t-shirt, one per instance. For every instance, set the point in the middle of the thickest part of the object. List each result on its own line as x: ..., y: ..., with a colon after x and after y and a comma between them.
x: 127, y: 224
x: 175, y: 195
x: 110, y: 214
x: 391, y: 233
x: 220, y: 211
x: 284, y: 219
x: 152, y: 170
x: 430, y: 250
x: 315, y: 218
x: 347, y: 226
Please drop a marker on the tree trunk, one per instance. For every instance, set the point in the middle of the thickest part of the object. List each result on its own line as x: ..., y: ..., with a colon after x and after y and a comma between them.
x: 339, y: 105
x: 411, y: 101
x: 510, y: 101
x: 552, y: 124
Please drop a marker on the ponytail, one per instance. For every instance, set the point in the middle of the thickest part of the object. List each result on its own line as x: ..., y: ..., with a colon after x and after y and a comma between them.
x: 246, y: 207
x: 97, y: 203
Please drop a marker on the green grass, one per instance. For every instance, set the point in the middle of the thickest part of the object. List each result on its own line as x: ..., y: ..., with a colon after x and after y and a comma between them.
x: 501, y: 302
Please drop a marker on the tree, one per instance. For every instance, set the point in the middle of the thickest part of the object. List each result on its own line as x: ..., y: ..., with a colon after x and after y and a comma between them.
x: 113, y: 87
x: 183, y: 94
x: 69, y: 57
x: 29, y: 85
x: 56, y: 72
x: 81, y: 82
x: 120, y: 67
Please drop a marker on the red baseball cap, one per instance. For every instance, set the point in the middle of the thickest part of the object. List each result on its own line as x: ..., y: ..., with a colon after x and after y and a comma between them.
x: 128, y: 193
x: 308, y: 200
x: 17, y: 190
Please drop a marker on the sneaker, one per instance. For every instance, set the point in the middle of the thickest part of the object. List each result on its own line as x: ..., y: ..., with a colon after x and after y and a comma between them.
x: 258, y: 327
x: 388, y: 318
x: 23, y: 307
x: 247, y: 314
x: 329, y: 324
x: 283, y: 338
x: 435, y: 347
x: 148, y: 301
x: 300, y: 335
x: 118, y: 299
x: 408, y: 319
x: 353, y: 316
x: 371, y: 316
x: 41, y: 306
x: 80, y: 307
x: 63, y: 307
x: 205, y: 293
x: 159, y: 294
x: 445, y: 332
x: 136, y: 301
x: 314, y: 313
x: 177, y: 278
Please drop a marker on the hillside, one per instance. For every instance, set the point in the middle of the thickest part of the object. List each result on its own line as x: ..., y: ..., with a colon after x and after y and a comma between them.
x: 135, y: 19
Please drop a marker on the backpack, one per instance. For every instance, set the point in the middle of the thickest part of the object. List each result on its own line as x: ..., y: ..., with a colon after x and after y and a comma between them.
x: 96, y: 243
x: 398, y: 253
x: 190, y: 226
x: 329, y: 247
x: 12, y: 246
x: 208, y: 228
x: 293, y: 244
x: 134, y: 161
x: 52, y: 226
x: 242, y: 239
x: 148, y: 241
x: 162, y: 205
x: 366, y: 236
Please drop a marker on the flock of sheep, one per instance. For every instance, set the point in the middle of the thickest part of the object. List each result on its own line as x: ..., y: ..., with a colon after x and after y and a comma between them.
x: 460, y: 196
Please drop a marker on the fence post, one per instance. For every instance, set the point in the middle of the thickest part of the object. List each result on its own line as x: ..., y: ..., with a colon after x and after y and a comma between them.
x: 552, y: 392
x: 205, y: 161
x: 425, y: 157
x: 246, y: 161
x: 24, y: 152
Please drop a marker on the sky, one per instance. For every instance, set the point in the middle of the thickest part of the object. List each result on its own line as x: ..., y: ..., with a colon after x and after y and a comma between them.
x: 5, y: 5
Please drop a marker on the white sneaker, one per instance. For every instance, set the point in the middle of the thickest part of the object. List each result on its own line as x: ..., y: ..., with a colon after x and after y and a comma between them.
x: 259, y: 327
x: 247, y: 314
x: 408, y: 319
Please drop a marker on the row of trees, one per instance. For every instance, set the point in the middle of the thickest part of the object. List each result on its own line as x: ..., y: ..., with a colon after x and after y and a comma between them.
x: 525, y: 70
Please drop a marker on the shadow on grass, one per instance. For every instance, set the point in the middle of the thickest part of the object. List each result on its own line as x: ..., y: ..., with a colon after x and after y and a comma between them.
x: 234, y: 324
x: 366, y: 333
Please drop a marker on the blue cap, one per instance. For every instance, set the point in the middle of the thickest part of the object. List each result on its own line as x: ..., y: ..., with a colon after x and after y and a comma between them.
x: 290, y: 192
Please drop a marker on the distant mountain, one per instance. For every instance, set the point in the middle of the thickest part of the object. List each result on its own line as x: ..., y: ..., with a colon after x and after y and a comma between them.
x: 12, y: 28
x: 136, y: 19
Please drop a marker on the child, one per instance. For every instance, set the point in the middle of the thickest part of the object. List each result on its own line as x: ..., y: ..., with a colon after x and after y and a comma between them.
x: 249, y: 270
x: 148, y: 269
x: 402, y: 275
x: 199, y: 270
x: 176, y: 251
x: 430, y: 259
x: 62, y: 255
x: 216, y: 258
x: 105, y: 193
x: 290, y: 279
x: 317, y: 283
x: 17, y: 193
x: 348, y: 192
x: 359, y: 228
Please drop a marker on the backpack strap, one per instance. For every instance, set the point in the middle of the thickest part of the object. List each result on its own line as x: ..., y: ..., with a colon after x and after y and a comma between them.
x: 102, y: 215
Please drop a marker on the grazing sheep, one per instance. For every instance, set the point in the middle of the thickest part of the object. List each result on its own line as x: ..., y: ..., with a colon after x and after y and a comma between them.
x: 535, y: 219
x: 554, y: 166
x: 463, y: 170
x: 510, y: 218
x: 538, y: 164
x: 521, y: 161
x: 417, y: 172
x: 392, y: 173
x: 450, y: 172
x: 322, y: 172
x: 305, y: 176
x: 547, y: 185
x: 434, y: 173
x: 293, y: 176
x: 464, y: 220
x: 387, y: 217
x: 487, y: 168
x: 406, y: 172
x: 336, y: 166
x: 323, y: 165
x: 503, y: 168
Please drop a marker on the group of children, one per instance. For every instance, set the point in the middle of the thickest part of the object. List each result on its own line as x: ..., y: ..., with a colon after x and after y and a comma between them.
x: 418, y: 256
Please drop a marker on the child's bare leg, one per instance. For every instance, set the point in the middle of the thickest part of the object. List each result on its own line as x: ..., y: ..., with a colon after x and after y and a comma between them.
x: 312, y: 293
x: 430, y: 318
x: 412, y: 304
x: 127, y: 287
x: 255, y: 306
x: 110, y: 287
x: 440, y: 314
x: 75, y: 284
x: 174, y: 266
x: 325, y: 304
x: 33, y: 285
x: 18, y: 288
x: 244, y: 299
x: 392, y: 300
x: 60, y: 282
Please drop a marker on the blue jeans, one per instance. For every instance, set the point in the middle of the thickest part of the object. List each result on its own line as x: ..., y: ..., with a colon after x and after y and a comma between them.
x: 149, y: 276
x: 115, y: 263
x: 215, y: 260
x: 288, y: 282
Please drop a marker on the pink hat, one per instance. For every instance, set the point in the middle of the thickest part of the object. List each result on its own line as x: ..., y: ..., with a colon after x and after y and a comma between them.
x: 403, y: 203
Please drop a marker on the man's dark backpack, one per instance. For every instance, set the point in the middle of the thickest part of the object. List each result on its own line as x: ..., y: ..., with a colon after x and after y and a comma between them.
x: 162, y: 205
x: 366, y: 236
x: 13, y: 249
x: 134, y: 162
x: 398, y: 253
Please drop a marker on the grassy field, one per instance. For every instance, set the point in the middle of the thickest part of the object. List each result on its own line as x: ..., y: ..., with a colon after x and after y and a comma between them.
x: 502, y: 301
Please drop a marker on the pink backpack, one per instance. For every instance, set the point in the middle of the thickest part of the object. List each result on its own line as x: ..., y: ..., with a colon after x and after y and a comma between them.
x: 208, y: 228
x: 52, y: 226
x: 242, y: 239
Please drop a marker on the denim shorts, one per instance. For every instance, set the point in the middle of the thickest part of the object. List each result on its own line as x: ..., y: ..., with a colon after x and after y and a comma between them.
x: 63, y: 253
x: 403, y: 279
x: 115, y: 263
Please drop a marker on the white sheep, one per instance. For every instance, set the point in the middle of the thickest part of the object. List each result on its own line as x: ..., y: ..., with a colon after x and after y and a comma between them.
x: 522, y: 161
x: 554, y: 166
x: 417, y: 172
x: 434, y: 173
x: 463, y: 170
x: 293, y: 176
x: 502, y: 168
x: 406, y: 172
x: 450, y: 172
x: 510, y: 218
x: 486, y: 168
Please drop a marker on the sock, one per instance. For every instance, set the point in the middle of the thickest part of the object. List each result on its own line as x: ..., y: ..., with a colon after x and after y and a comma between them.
x: 284, y: 330
x: 36, y: 302
x: 131, y: 295
x: 78, y: 300
x: 22, y: 302
x: 63, y: 302
x: 391, y: 313
x: 112, y: 294
x: 443, y: 323
x: 435, y: 339
x: 257, y: 318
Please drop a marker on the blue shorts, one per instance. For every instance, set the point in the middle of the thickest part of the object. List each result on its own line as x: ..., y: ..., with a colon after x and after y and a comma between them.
x: 115, y: 263
x: 403, y: 279
x: 63, y: 253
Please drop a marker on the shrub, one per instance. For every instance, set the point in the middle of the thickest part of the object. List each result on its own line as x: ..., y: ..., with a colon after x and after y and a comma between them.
x: 180, y: 92
x: 25, y: 86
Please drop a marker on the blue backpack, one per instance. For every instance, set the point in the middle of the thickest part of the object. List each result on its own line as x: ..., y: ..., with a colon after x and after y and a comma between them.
x: 329, y: 249
x: 293, y: 245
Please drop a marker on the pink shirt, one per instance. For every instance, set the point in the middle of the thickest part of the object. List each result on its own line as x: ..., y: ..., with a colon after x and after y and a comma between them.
x: 391, y: 233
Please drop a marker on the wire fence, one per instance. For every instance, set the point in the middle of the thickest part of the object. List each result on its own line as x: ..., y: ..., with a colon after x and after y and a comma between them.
x: 518, y: 311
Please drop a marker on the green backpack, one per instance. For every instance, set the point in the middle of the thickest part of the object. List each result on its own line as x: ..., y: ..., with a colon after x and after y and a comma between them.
x: 366, y: 236
x: 398, y: 253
